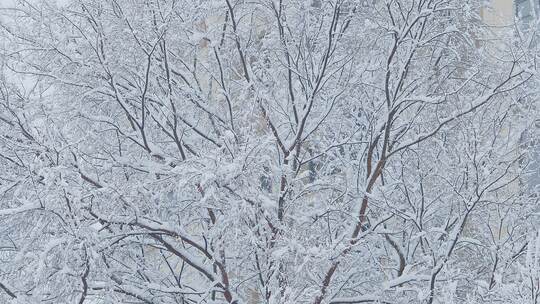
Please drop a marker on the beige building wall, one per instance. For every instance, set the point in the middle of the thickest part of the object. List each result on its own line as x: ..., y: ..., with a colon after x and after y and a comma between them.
x: 498, y: 16
x: 498, y: 13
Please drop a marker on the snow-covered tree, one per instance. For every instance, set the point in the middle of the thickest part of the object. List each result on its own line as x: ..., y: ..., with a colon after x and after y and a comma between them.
x: 264, y: 151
